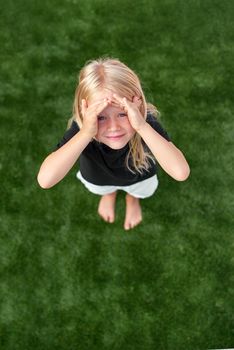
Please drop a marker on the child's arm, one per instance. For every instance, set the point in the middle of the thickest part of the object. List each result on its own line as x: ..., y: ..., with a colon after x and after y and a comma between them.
x: 56, y: 166
x: 170, y: 158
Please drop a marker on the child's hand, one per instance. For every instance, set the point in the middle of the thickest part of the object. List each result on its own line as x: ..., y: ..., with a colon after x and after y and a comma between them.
x: 90, y: 113
x: 134, y: 115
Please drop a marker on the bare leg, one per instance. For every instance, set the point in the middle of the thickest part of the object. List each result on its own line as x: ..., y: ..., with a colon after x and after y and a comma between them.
x: 106, y: 208
x: 133, y: 212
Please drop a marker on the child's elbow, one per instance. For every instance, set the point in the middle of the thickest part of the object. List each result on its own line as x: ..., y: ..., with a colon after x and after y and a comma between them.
x: 183, y: 174
x: 43, y: 183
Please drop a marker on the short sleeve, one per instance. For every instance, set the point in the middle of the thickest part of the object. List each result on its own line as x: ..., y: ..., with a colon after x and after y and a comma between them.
x: 157, y: 126
x: 74, y: 128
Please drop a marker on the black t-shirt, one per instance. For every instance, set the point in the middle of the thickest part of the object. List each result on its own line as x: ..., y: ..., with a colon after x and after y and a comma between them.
x: 102, y: 165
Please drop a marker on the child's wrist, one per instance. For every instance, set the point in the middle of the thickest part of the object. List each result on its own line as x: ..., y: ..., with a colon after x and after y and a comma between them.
x: 87, y: 134
x: 141, y: 127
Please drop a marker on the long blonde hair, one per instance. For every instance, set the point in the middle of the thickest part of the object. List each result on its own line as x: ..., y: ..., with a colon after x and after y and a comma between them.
x: 111, y: 74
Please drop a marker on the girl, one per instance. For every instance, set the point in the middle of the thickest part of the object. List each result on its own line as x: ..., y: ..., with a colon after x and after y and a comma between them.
x: 116, y: 136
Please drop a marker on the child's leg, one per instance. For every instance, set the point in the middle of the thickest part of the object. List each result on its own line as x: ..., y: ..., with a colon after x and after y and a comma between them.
x: 133, y: 212
x: 106, y: 208
x: 142, y: 189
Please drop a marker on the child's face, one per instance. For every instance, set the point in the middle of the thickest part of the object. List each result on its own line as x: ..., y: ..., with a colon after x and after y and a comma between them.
x: 114, y: 128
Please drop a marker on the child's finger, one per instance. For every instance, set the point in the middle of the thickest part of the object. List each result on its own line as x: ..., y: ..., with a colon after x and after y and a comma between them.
x: 137, y: 100
x: 123, y: 102
x: 99, y: 103
x: 102, y: 104
x: 97, y: 107
x: 118, y: 98
x: 94, y: 106
x: 83, y: 106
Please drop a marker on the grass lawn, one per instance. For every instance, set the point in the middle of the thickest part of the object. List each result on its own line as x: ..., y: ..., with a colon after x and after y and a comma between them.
x: 69, y: 281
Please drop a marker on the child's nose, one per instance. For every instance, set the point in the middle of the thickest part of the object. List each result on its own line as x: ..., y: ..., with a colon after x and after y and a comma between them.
x: 113, y: 124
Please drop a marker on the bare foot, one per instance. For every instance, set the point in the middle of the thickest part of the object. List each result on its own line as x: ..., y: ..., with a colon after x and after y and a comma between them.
x: 106, y: 208
x: 133, y: 212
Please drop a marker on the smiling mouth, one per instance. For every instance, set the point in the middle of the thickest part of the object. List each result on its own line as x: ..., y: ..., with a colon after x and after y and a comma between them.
x: 114, y: 137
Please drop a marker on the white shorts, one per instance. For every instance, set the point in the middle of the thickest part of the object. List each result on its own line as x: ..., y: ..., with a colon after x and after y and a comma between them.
x: 142, y: 189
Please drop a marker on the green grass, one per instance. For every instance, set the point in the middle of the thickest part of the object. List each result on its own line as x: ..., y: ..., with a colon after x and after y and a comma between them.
x: 68, y: 280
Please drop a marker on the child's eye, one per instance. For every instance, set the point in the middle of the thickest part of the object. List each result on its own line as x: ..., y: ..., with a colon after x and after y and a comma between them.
x: 101, y: 118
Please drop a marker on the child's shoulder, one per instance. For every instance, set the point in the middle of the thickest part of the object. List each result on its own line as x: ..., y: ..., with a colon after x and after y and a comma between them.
x: 151, y: 118
x: 72, y: 129
x: 73, y: 125
x: 156, y: 125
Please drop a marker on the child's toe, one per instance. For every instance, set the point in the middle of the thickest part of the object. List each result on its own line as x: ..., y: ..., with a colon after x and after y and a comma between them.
x: 127, y: 226
x: 111, y: 219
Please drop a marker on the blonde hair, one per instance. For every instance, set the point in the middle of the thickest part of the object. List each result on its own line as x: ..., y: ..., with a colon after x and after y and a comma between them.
x: 111, y: 74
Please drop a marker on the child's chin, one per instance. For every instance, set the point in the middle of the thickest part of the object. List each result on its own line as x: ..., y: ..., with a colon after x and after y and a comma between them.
x: 116, y: 145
